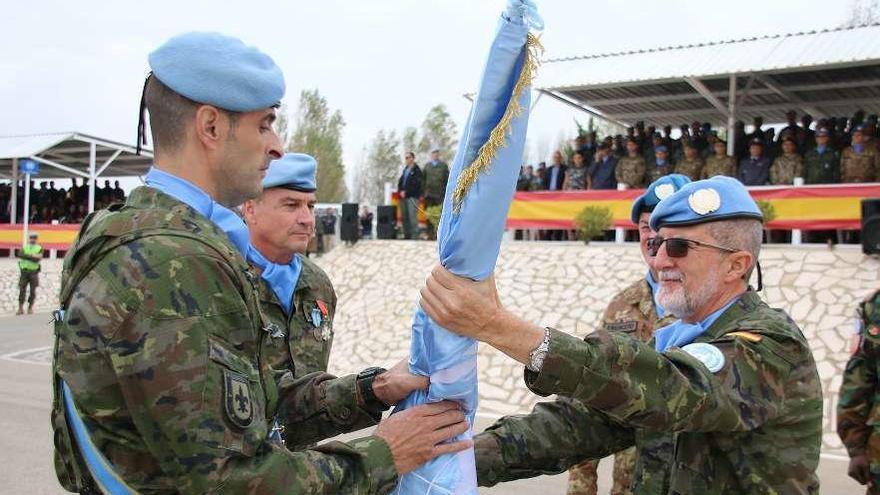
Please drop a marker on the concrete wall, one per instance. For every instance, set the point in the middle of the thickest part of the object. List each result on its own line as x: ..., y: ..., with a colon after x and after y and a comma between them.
x: 564, y: 285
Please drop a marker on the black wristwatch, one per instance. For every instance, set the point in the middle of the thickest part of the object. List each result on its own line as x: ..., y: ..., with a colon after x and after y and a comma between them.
x: 365, y: 386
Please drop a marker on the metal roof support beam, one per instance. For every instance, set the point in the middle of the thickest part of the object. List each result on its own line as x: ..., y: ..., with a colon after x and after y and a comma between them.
x: 707, y: 94
x: 93, y: 177
x: 746, y: 92
x: 13, y: 211
x: 731, y: 115
x: 752, y: 108
x: 583, y: 108
x: 108, y: 162
x: 788, y: 95
x: 59, y: 166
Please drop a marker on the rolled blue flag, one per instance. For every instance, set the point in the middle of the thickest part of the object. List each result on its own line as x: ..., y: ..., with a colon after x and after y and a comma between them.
x: 481, y: 186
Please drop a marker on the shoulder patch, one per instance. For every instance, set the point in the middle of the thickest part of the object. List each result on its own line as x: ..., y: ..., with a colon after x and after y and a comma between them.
x: 708, y: 354
x: 622, y: 326
x: 751, y: 337
x: 239, y: 405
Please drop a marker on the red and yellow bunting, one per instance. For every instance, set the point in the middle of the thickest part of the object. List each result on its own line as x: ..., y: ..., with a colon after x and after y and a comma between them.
x: 51, y: 236
x: 805, y: 208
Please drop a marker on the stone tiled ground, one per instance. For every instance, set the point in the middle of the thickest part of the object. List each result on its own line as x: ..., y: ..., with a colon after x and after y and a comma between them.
x: 565, y: 285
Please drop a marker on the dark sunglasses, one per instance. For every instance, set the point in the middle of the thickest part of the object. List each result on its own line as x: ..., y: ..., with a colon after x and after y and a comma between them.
x: 677, y: 247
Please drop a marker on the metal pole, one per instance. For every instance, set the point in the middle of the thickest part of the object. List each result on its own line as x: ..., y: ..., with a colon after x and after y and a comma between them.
x: 27, y: 207
x: 619, y: 232
x: 13, y: 211
x: 796, y: 235
x: 731, y: 114
x: 92, y: 177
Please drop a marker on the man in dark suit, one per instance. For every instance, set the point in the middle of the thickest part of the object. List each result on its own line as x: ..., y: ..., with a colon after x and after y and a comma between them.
x: 555, y: 173
x: 410, y: 188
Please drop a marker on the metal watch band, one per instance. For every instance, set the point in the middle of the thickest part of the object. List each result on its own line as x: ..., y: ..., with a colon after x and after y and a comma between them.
x: 536, y: 357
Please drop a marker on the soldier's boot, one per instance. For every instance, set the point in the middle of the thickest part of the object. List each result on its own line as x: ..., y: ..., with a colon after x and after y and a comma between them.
x: 20, y: 310
x: 30, y: 309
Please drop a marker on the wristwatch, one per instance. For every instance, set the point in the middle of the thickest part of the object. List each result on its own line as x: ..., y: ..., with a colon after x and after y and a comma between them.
x: 536, y: 357
x: 365, y: 386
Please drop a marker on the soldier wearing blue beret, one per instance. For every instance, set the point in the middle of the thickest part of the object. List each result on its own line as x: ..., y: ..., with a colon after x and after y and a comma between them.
x: 159, y: 375
x: 725, y: 400
x: 299, y: 302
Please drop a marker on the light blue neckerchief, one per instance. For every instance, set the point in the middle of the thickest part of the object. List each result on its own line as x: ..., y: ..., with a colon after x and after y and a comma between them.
x: 187, y: 192
x: 859, y: 148
x: 655, y: 287
x: 281, y: 278
x: 820, y: 149
x: 679, y: 333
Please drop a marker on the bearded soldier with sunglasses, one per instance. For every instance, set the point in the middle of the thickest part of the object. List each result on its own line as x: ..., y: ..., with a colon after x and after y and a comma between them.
x: 725, y: 400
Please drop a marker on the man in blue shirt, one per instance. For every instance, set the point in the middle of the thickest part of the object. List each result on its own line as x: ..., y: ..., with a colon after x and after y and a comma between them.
x: 602, y: 173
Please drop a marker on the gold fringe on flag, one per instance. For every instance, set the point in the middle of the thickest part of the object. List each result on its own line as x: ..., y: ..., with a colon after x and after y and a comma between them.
x: 498, y: 136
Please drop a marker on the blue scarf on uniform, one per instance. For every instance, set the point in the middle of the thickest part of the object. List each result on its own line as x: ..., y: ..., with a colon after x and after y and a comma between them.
x: 281, y: 278
x: 680, y: 334
x: 655, y: 287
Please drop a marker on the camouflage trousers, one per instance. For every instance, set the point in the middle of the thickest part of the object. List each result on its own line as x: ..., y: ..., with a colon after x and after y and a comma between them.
x: 25, y: 280
x: 583, y: 478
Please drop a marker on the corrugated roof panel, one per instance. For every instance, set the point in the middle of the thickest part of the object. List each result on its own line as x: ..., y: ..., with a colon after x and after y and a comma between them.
x: 23, y: 146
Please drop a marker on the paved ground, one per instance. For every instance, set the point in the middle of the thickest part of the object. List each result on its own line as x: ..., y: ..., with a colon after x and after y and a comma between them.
x: 26, y: 443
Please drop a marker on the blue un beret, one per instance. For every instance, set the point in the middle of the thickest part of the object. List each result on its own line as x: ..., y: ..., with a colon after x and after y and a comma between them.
x: 295, y: 171
x: 218, y: 70
x: 709, y: 200
x: 660, y: 189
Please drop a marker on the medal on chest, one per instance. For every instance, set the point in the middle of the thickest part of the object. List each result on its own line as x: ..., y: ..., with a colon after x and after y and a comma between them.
x: 318, y: 316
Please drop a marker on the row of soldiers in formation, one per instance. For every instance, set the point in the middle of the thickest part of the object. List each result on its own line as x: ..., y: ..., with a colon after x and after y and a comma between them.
x: 49, y: 203
x: 821, y: 164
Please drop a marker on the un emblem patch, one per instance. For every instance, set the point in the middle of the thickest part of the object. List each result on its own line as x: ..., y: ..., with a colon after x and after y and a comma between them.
x: 239, y: 403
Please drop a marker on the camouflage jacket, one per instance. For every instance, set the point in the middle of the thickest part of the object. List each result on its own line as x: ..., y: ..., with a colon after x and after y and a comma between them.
x: 632, y: 311
x: 785, y: 168
x: 297, y: 347
x: 160, y: 346
x: 691, y: 168
x: 435, y: 180
x: 754, y: 426
x: 821, y: 168
x: 631, y: 171
x: 858, y: 407
x: 719, y: 165
x: 864, y: 167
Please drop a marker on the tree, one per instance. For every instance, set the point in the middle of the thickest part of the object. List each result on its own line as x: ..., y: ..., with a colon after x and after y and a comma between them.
x: 381, y: 166
x: 438, y: 131
x: 410, y: 140
x: 319, y: 133
x: 862, y: 12
x: 282, y: 126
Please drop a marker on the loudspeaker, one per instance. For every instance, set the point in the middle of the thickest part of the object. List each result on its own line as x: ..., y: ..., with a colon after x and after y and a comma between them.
x: 871, y: 226
x: 386, y: 220
x: 348, y: 227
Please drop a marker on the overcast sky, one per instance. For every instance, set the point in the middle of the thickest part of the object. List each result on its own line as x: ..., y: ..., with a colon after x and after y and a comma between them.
x: 80, y: 65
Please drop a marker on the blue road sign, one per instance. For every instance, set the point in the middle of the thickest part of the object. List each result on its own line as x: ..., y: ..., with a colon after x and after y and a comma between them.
x: 29, y: 167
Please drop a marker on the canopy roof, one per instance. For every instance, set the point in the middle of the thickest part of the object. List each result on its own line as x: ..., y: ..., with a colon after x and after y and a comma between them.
x: 826, y: 73
x: 69, y: 154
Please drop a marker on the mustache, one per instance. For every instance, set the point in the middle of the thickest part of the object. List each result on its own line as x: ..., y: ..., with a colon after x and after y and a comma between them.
x: 671, y: 275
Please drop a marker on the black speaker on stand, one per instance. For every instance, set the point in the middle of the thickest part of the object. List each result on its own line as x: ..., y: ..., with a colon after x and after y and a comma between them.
x: 348, y: 227
x: 386, y: 220
x: 871, y: 226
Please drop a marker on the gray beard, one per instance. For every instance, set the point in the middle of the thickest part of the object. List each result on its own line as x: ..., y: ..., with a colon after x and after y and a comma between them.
x: 682, y: 304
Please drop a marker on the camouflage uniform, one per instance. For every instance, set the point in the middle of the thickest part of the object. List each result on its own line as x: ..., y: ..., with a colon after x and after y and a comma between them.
x: 755, y: 426
x: 161, y: 347
x: 631, y: 171
x: 864, y: 167
x: 691, y: 168
x: 822, y: 168
x: 435, y: 178
x: 858, y: 408
x: 656, y: 172
x: 719, y: 165
x: 785, y: 168
x: 325, y: 405
x: 633, y: 312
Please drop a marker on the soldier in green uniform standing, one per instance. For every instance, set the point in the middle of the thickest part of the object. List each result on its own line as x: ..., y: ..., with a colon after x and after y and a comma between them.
x: 631, y: 168
x: 787, y: 166
x: 719, y: 163
x: 29, y: 257
x: 159, y: 380
x: 435, y: 175
x: 635, y: 312
x: 859, y: 162
x: 822, y: 163
x: 726, y: 400
x: 299, y: 335
x: 691, y: 165
x: 858, y: 408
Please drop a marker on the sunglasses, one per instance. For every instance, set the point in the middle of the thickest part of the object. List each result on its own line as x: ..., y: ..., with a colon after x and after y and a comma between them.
x: 677, y: 247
